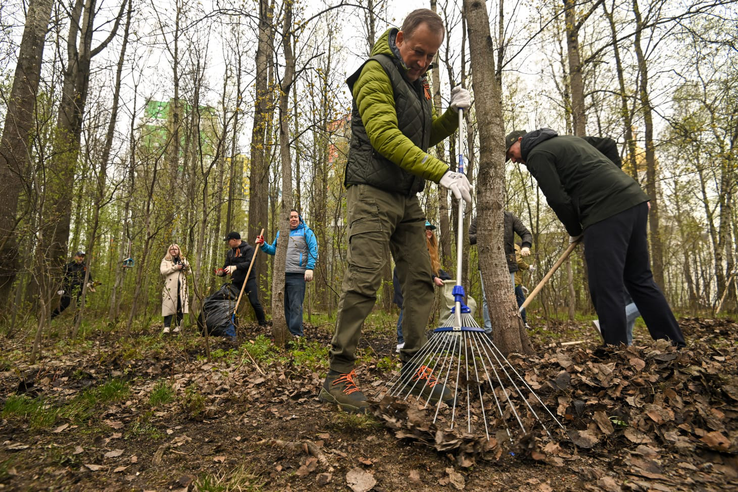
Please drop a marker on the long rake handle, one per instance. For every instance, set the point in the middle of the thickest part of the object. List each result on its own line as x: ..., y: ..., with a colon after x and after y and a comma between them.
x: 550, y: 273
x: 460, y: 225
x: 246, y: 279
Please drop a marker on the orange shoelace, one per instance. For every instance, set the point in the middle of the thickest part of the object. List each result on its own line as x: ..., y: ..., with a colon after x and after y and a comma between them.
x: 349, y: 380
x: 426, y: 372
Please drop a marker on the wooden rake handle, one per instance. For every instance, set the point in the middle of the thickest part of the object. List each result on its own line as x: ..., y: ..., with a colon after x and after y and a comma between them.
x: 246, y: 279
x: 550, y: 273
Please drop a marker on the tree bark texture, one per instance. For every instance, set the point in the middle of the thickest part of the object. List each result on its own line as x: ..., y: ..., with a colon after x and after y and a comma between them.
x: 509, y: 332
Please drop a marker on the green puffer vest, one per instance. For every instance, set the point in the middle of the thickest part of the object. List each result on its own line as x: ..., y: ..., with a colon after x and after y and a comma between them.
x: 414, y: 119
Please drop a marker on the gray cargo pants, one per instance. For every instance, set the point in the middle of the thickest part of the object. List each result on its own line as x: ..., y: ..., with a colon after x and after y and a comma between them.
x: 378, y: 223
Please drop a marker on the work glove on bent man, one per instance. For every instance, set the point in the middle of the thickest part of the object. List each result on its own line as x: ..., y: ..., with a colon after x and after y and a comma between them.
x: 458, y: 184
x: 460, y: 98
x: 575, y: 239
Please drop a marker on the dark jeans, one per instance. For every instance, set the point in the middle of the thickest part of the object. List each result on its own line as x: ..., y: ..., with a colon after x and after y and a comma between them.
x: 294, y: 296
x: 252, y: 290
x: 520, y: 297
x: 66, y: 300
x: 616, y: 251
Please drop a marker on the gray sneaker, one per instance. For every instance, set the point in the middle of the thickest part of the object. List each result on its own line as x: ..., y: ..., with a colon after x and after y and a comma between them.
x: 341, y: 389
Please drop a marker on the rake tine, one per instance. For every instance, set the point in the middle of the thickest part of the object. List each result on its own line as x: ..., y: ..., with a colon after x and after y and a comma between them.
x: 466, y: 369
x: 491, y: 383
x: 479, y: 386
x: 451, y: 346
x: 517, y: 389
x: 428, y: 348
x: 445, y: 344
x: 512, y: 368
x: 514, y: 410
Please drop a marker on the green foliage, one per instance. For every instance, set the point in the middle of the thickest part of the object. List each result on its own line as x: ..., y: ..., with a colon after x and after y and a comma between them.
x: 112, y: 391
x: 353, y: 422
x: 142, y: 427
x: 39, y: 413
x: 261, y: 348
x: 194, y: 402
x: 240, y: 479
x: 162, y: 394
x: 387, y: 364
x: 310, y: 353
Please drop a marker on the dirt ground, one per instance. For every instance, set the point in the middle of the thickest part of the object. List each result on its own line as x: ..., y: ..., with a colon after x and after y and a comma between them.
x: 250, y: 419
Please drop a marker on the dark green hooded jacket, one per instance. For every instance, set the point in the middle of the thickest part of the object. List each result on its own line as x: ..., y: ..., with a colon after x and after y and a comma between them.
x: 581, y: 185
x: 393, y: 125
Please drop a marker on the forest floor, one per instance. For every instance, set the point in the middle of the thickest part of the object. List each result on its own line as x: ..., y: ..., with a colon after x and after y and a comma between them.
x: 152, y: 413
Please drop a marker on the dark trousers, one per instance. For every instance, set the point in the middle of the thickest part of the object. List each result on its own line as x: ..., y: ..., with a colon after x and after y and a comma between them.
x: 66, y: 300
x: 252, y: 290
x: 616, y: 251
x: 294, y: 296
x: 520, y: 297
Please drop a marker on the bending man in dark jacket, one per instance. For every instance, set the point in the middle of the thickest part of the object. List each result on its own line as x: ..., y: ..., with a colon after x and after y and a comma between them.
x: 393, y: 125
x: 236, y: 265
x: 591, y: 196
x: 513, y: 225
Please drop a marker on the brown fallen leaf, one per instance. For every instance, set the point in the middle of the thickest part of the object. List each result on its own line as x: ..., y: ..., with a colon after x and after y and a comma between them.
x: 323, y: 479
x: 119, y: 469
x: 585, y: 439
x: 114, y: 453
x: 359, y: 480
x: 716, y: 441
x: 219, y: 459
x: 456, y: 479
x: 96, y: 467
x: 61, y: 428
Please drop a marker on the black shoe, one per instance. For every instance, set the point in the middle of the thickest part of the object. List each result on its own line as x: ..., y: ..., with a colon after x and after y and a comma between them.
x: 341, y: 389
x: 424, y: 384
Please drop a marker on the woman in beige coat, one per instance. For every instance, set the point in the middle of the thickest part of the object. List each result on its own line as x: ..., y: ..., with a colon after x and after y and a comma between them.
x: 174, y: 267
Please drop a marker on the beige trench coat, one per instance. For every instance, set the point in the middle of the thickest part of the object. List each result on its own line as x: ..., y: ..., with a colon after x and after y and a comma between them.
x: 169, y: 292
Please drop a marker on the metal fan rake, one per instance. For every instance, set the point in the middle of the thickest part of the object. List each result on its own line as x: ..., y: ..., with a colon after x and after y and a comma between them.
x: 479, y: 382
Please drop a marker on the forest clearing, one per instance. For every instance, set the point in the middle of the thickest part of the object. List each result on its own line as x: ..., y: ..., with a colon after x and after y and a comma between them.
x: 214, y: 215
x: 149, y: 413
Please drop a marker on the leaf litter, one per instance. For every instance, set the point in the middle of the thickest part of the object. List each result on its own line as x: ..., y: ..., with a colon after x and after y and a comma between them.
x: 647, y: 416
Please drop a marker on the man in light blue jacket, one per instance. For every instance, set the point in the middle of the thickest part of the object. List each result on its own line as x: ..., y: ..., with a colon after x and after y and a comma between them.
x: 302, y: 253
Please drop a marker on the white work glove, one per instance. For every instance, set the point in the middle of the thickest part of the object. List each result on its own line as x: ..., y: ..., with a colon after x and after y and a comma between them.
x: 532, y: 268
x: 460, y: 98
x: 308, y: 275
x: 60, y: 292
x: 230, y: 269
x: 458, y: 184
x: 575, y: 239
x: 525, y: 251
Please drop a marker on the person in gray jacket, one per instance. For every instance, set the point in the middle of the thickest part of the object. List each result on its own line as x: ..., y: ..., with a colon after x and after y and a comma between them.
x: 595, y: 199
x: 302, y: 253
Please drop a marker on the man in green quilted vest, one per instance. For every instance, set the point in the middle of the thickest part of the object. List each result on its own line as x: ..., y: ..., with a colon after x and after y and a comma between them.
x: 392, y: 126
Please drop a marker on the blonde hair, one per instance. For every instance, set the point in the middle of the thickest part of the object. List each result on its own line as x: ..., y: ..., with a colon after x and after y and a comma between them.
x: 168, y: 256
x: 433, y: 252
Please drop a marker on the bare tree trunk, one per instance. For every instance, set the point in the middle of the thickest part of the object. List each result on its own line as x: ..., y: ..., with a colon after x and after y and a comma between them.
x: 102, y: 172
x: 69, y: 127
x: 279, y: 323
x: 509, y: 333
x: 14, y: 147
x: 264, y: 110
x: 657, y: 256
